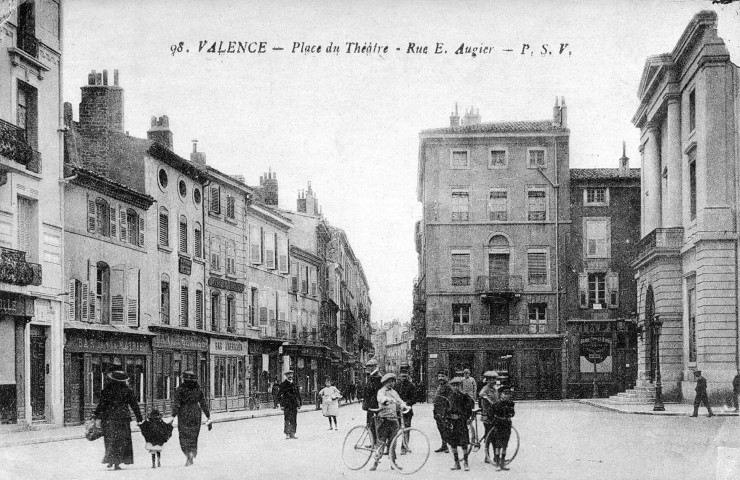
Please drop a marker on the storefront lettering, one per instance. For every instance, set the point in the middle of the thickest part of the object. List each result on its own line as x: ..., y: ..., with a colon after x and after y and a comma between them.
x: 110, y: 344
x: 190, y: 342
x: 223, y: 284
x: 12, y: 304
x: 228, y: 347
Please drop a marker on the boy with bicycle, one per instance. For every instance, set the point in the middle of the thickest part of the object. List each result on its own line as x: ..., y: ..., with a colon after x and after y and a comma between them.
x: 391, y: 407
x: 502, y: 411
x: 459, y: 411
x: 489, y: 396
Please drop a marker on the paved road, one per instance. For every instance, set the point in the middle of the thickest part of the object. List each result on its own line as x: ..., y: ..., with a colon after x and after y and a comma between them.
x: 559, y: 440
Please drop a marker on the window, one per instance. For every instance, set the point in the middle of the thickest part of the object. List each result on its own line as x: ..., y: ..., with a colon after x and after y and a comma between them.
x: 230, y: 210
x: 460, y: 159
x: 230, y: 314
x: 498, y: 159
x: 162, y: 375
x: 184, y: 304
x: 692, y: 111
x: 498, y: 205
x: 215, y: 310
x: 102, y: 293
x: 28, y: 230
x: 215, y: 254
x: 230, y: 258
x: 597, y: 289
x: 691, y: 286
x: 215, y: 199
x: 537, y: 268
x: 164, y: 227
x: 197, y: 241
x: 199, y: 306
x: 27, y: 112
x: 460, y: 207
x: 163, y: 179
x: 597, y: 238
x: 536, y: 157
x: 537, y: 318
x: 135, y: 225
x: 255, y: 244
x: 460, y: 269
x: 460, y: 313
x: 596, y: 196
x: 182, y: 188
x: 196, y: 196
x: 536, y: 206
x: 692, y: 183
x: 164, y: 301
x: 253, y: 306
x: 183, y: 234
x: 102, y: 217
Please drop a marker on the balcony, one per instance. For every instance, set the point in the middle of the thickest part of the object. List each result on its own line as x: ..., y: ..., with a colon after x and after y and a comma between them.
x: 499, y: 285
x: 15, y: 270
x: 14, y: 145
x: 28, y: 43
x: 309, y: 337
x: 485, y: 329
x: 661, y: 241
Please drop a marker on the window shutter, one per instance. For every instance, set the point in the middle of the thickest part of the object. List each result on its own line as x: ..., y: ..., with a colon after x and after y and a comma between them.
x: 113, y: 222
x: 141, y: 230
x: 133, y: 296
x: 215, y: 199
x: 294, y: 283
x: 92, y: 274
x: 230, y: 207
x: 122, y: 221
x: 537, y: 265
x: 183, y: 237
x: 117, y: 293
x: 85, y: 301
x: 199, y: 309
x: 197, y: 243
x: 91, y: 214
x: 270, y: 252
x: 583, y: 289
x: 183, y: 306
x: 164, y: 226
x: 262, y: 245
x: 72, y: 300
x: 613, y: 286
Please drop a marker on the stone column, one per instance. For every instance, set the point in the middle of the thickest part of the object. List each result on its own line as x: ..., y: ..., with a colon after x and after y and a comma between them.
x: 651, y: 194
x: 672, y: 216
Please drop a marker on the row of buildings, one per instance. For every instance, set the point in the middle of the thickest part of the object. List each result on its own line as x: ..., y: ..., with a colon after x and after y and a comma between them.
x: 118, y: 253
x: 392, y: 344
x: 573, y: 281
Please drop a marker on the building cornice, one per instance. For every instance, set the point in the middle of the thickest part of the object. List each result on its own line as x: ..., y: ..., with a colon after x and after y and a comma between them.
x: 88, y: 179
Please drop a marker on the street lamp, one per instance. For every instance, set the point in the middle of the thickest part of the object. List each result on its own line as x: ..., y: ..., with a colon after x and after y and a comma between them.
x: 656, y: 326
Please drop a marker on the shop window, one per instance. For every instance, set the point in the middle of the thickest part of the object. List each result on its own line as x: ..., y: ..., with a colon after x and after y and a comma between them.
x: 162, y: 376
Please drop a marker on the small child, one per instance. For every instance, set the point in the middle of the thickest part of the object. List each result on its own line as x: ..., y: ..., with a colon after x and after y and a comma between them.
x: 156, y: 433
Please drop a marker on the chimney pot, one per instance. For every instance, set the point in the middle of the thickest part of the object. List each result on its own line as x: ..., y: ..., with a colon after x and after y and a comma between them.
x: 115, y: 77
x: 105, y: 77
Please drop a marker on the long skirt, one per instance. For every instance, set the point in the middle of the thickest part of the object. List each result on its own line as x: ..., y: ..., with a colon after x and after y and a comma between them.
x: 457, y: 432
x: 117, y: 440
x: 189, y: 437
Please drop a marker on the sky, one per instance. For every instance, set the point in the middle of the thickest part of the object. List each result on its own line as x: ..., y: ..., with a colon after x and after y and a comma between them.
x: 349, y: 123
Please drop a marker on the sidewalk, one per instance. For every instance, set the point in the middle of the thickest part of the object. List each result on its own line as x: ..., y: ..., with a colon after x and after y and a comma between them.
x: 671, y: 409
x: 44, y: 433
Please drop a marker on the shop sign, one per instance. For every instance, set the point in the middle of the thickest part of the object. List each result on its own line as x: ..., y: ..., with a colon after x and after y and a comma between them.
x: 105, y: 345
x: 220, y: 346
x: 13, y: 304
x: 595, y: 348
x: 180, y: 341
x: 592, y: 327
x: 185, y: 265
x: 224, y: 284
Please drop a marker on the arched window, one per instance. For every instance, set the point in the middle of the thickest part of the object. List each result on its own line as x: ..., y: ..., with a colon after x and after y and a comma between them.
x: 183, y: 234
x: 135, y: 225
x: 102, y: 293
x: 498, y: 241
x: 164, y: 308
x: 184, y: 302
x: 231, y: 314
x: 215, y: 310
x: 164, y: 227
x: 197, y: 241
x: 199, y: 306
x: 102, y: 217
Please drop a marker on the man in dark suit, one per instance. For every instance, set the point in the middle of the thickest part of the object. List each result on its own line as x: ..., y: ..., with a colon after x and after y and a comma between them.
x: 370, y: 395
x: 407, y: 391
x: 701, y: 394
x: 441, y: 405
x: 290, y: 401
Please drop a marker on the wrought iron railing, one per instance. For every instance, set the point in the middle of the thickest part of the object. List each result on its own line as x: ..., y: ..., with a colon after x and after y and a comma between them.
x: 485, y: 329
x: 14, y: 145
x: 14, y: 268
x: 499, y: 284
x: 660, y: 239
x: 28, y: 43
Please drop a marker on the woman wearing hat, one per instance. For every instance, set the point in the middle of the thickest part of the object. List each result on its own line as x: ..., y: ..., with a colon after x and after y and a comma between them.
x: 113, y: 411
x: 188, y: 403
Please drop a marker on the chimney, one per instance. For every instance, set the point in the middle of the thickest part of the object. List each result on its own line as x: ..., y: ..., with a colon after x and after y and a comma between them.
x: 624, y: 162
x: 301, y: 202
x: 472, y: 117
x: 268, y: 189
x: 160, y: 131
x: 556, y: 114
x: 101, y: 106
x: 312, y: 204
x: 454, y: 118
x: 195, y: 155
x: 563, y: 113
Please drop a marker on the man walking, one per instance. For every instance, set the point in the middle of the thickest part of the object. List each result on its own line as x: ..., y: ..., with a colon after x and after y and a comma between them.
x: 469, y: 385
x: 290, y: 401
x: 370, y: 395
x: 701, y: 394
x: 441, y: 404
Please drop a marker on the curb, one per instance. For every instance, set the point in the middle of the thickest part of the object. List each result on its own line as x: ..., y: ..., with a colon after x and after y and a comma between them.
x: 642, y: 412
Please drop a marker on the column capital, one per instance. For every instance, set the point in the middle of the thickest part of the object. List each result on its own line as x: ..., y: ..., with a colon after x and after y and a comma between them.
x: 652, y: 126
x: 673, y: 97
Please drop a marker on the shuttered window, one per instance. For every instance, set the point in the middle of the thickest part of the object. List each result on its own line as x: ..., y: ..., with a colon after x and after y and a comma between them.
x: 231, y: 314
x: 460, y: 207
x: 498, y: 205
x: 231, y: 258
x: 199, y: 307
x: 183, y: 234
x: 122, y: 224
x: 27, y: 228
x: 460, y: 269
x: 134, y: 228
x: 164, y: 227
x: 536, y: 205
x: 215, y: 247
x: 537, y: 268
x: 597, y: 289
x: 91, y: 217
x: 113, y: 222
x: 102, y: 292
x: 102, y: 217
x: 215, y: 199
x: 270, y: 251
x: 215, y: 311
x: 255, y: 244
x: 612, y: 284
x: 197, y: 241
x: 132, y: 295
x: 165, y: 300
x: 184, y: 305
x: 118, y: 292
x: 230, y: 210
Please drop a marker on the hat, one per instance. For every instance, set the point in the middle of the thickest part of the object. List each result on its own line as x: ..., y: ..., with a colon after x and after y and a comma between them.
x: 442, y: 372
x: 490, y: 374
x: 189, y: 375
x: 288, y: 372
x: 467, y: 370
x: 455, y: 380
x: 372, y: 363
x: 405, y: 367
x: 388, y: 376
x: 697, y: 372
x: 118, y: 375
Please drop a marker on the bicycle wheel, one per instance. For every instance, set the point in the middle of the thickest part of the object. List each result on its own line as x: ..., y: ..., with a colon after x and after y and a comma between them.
x: 514, y: 441
x: 409, y: 450
x: 357, y: 447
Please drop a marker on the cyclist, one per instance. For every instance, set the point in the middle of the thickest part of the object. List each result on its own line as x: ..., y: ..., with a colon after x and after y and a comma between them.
x: 502, y: 412
x: 391, y: 407
x: 457, y: 415
x: 489, y: 396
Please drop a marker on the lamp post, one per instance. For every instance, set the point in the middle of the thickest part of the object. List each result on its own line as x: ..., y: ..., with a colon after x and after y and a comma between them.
x: 656, y: 326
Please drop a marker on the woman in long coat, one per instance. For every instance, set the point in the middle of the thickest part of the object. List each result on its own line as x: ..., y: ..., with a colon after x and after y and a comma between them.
x: 330, y: 402
x: 113, y: 411
x: 188, y: 403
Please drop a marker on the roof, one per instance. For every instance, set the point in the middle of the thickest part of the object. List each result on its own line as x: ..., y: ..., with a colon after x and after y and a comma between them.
x: 602, y: 174
x: 500, y: 127
x: 94, y: 181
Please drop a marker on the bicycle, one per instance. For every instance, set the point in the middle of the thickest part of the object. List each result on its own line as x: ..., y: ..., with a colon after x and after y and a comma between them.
x: 487, y: 440
x: 408, y: 449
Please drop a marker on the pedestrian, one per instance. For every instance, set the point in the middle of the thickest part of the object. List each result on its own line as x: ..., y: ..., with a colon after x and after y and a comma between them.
x: 701, y: 394
x: 113, y: 411
x: 407, y: 391
x: 469, y: 385
x: 391, y: 408
x: 290, y: 401
x: 370, y: 395
x: 275, y: 392
x: 330, y: 402
x: 156, y: 432
x: 502, y: 411
x: 459, y: 411
x: 736, y: 390
x: 187, y: 406
x: 441, y: 403
x: 489, y: 396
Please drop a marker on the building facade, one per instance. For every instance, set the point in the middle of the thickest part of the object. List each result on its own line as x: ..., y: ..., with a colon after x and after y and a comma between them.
x: 31, y: 219
x: 495, y: 199
x: 686, y: 261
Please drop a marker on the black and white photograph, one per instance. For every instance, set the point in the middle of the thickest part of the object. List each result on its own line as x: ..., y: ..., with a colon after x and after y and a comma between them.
x: 346, y: 239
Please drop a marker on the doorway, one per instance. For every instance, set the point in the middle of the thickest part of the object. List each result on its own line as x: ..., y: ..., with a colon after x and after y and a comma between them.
x: 38, y: 373
x: 460, y: 361
x: 652, y: 347
x: 76, y: 388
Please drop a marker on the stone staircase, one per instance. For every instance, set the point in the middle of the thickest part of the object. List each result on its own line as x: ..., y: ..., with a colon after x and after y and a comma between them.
x: 641, y: 394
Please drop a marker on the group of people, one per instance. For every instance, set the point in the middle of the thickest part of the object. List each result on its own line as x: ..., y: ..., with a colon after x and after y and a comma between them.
x: 453, y: 411
x: 117, y: 401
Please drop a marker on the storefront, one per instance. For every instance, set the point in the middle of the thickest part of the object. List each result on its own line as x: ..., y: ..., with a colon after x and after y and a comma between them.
x: 176, y: 351
x: 230, y: 372
x: 265, y: 367
x: 304, y: 360
x: 15, y: 312
x: 93, y: 350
